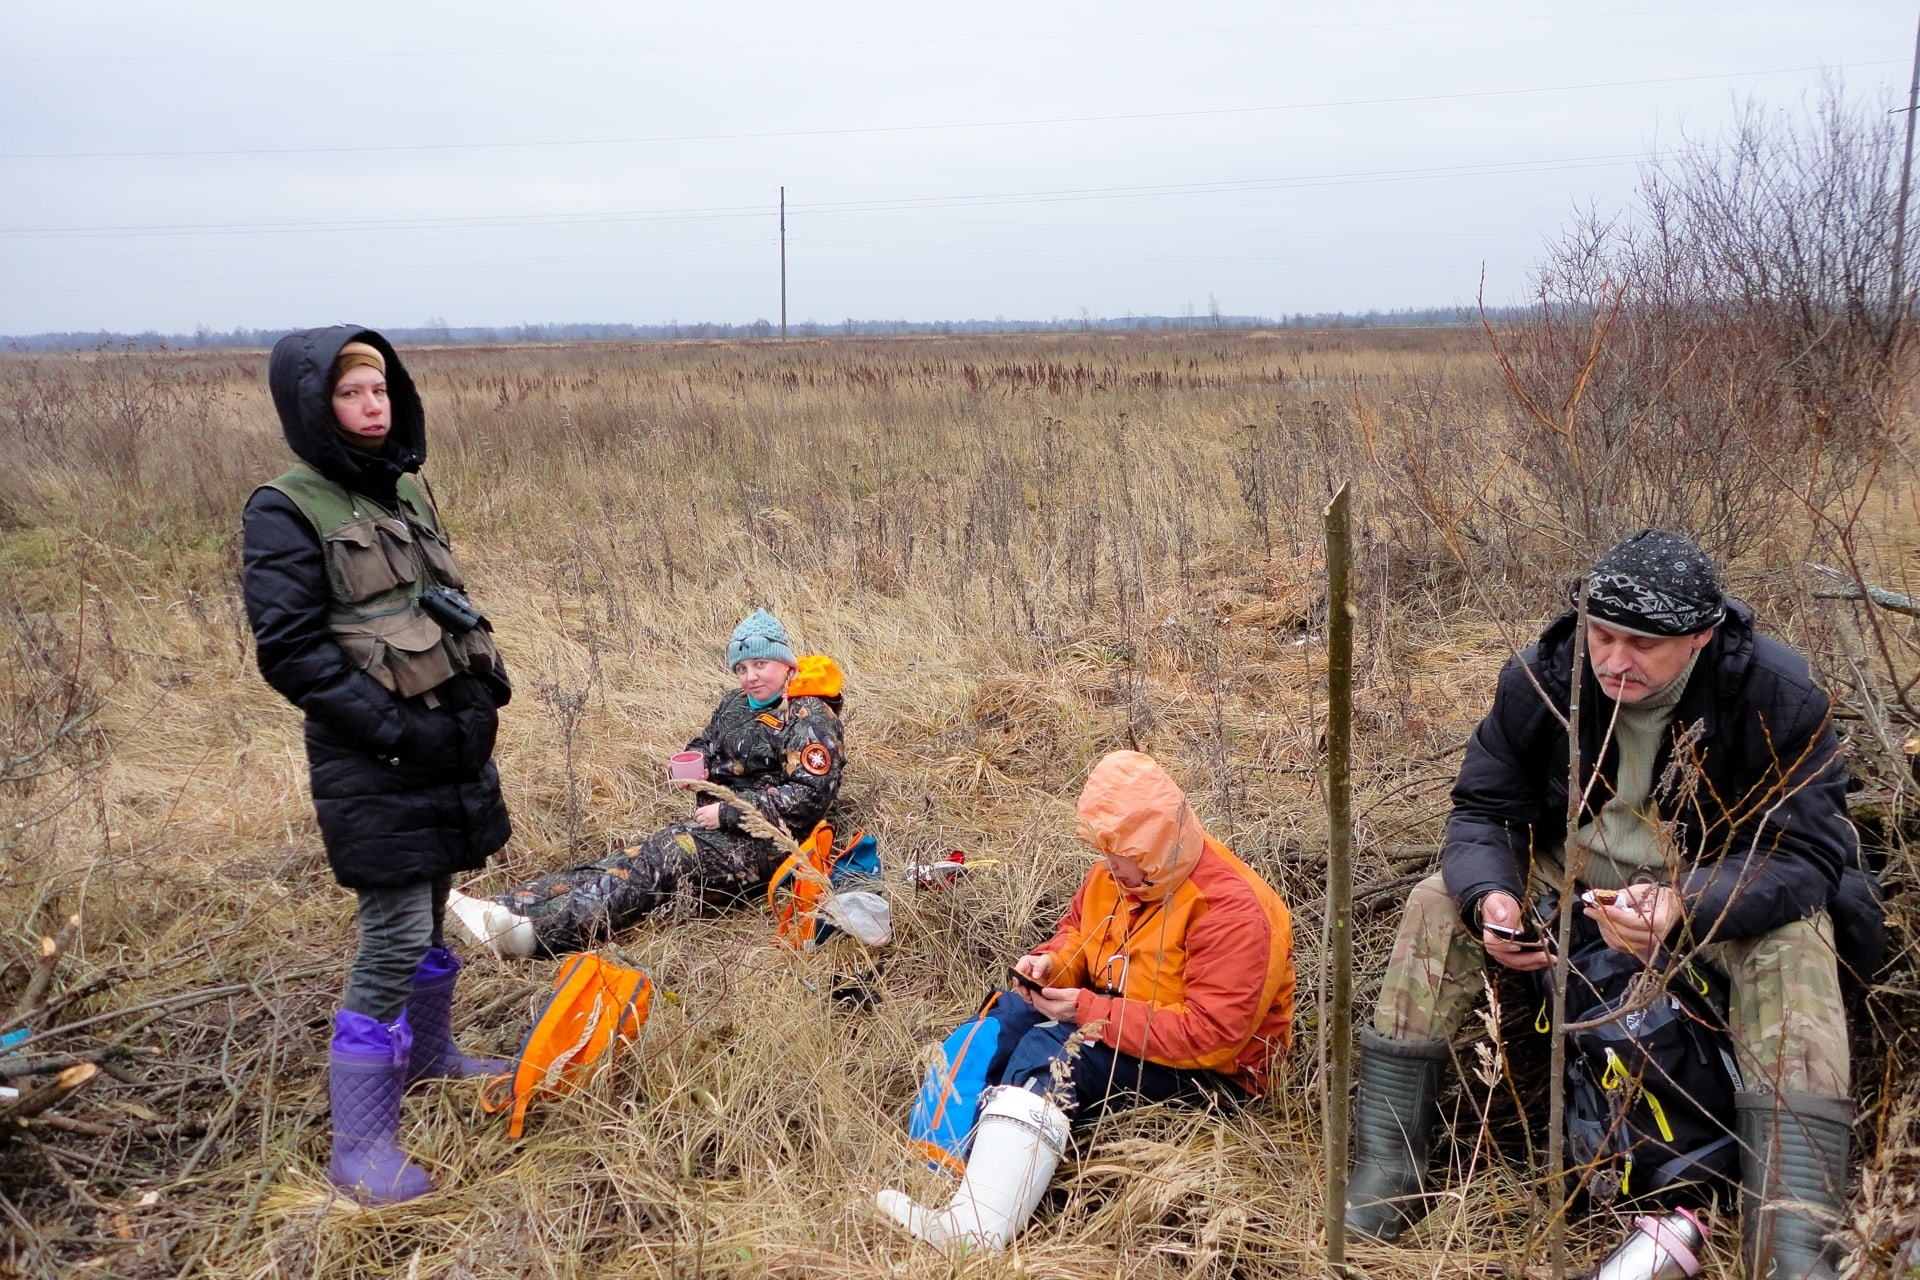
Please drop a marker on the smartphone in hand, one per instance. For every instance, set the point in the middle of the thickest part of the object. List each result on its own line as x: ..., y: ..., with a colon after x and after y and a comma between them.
x: 1022, y: 981
x: 1525, y: 937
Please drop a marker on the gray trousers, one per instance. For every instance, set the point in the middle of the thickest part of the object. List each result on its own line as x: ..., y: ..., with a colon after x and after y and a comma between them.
x: 397, y: 925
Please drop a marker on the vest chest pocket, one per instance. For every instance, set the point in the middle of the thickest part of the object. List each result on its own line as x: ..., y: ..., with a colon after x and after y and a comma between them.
x: 439, y: 557
x: 403, y: 651
x: 477, y: 647
x: 370, y: 557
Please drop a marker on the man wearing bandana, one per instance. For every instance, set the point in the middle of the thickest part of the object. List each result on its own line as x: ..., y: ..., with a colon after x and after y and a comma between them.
x: 1715, y: 814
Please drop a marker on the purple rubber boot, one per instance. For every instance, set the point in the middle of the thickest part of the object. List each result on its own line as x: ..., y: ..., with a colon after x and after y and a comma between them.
x: 430, y: 1013
x: 366, y: 1074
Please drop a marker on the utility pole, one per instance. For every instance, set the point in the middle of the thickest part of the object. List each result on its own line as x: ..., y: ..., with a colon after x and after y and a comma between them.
x: 1897, y: 303
x: 783, y: 251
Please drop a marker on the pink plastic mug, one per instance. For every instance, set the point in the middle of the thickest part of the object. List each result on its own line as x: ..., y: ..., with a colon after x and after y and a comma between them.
x: 688, y: 764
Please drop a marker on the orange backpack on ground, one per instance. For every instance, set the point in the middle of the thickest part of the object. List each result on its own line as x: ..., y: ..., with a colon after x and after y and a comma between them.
x: 804, y: 878
x: 594, y: 1006
x: 807, y: 877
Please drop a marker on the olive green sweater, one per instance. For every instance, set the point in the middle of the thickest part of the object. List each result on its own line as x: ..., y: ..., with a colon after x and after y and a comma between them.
x: 1622, y: 842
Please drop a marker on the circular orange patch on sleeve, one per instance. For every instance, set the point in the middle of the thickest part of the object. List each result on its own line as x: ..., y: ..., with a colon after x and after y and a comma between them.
x: 816, y: 760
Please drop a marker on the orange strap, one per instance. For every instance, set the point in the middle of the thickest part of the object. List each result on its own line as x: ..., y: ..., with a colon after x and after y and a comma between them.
x: 938, y: 1155
x: 488, y: 1102
x: 773, y: 885
x: 946, y: 1090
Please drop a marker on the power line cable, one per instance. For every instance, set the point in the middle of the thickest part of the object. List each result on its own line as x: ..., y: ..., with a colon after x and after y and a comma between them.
x: 1233, y: 186
x: 1000, y: 38
x: 828, y: 208
x: 875, y: 130
x: 1118, y: 255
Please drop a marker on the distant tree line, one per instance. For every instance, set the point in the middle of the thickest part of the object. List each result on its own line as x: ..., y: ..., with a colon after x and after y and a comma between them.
x: 439, y: 332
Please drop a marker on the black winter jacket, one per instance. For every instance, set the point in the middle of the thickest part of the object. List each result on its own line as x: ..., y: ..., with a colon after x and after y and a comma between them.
x: 1764, y: 837
x: 404, y: 792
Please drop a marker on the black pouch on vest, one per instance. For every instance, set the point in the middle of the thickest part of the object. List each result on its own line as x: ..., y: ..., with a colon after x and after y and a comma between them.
x: 452, y: 610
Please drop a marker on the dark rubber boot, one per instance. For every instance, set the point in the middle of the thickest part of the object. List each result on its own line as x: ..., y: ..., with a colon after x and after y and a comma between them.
x: 1793, y: 1182
x: 430, y: 1014
x: 366, y: 1074
x: 1393, y: 1123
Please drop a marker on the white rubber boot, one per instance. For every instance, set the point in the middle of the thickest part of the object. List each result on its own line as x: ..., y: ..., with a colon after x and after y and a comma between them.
x: 1014, y: 1155
x: 492, y: 925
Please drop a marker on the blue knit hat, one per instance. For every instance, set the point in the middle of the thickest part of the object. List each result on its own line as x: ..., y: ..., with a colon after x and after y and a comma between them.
x: 760, y: 635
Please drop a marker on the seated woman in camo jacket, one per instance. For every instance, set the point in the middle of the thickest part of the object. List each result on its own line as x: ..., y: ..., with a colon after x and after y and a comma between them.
x: 774, y: 746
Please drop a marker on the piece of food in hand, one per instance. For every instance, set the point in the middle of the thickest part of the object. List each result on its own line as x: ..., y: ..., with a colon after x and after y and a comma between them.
x: 1600, y: 897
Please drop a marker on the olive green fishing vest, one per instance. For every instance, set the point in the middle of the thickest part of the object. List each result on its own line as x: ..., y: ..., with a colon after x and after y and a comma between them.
x: 379, y: 561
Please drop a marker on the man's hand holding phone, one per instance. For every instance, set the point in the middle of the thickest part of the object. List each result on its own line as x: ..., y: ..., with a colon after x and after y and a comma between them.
x: 1507, y: 936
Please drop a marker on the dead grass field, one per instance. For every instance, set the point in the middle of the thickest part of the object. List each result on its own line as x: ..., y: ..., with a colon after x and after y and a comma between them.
x: 1024, y: 552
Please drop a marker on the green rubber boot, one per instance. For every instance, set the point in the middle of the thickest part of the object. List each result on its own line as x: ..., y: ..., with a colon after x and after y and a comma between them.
x: 1793, y: 1182
x: 1393, y: 1123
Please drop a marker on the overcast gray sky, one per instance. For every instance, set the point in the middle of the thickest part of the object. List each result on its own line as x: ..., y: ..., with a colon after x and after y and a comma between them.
x: 265, y: 164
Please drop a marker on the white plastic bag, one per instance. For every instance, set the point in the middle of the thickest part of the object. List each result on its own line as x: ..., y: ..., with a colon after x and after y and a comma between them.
x: 864, y: 915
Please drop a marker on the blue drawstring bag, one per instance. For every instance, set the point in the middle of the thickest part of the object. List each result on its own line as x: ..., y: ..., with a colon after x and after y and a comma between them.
x: 859, y: 861
x: 948, y: 1104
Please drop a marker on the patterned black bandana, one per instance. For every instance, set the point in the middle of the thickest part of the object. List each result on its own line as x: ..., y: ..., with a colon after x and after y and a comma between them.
x: 1655, y: 583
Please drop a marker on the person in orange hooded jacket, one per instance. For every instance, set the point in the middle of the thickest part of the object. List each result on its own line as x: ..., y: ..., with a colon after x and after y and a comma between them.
x: 1169, y: 979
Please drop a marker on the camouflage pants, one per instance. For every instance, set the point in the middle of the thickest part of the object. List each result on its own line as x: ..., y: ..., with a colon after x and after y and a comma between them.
x: 1789, y: 1027
x: 581, y: 906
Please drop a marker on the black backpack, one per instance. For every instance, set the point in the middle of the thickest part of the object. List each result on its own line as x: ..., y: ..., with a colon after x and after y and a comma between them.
x: 1649, y: 1091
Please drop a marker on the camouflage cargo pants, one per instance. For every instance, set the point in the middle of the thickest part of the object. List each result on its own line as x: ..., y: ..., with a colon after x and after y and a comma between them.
x: 1789, y: 1027
x: 581, y: 906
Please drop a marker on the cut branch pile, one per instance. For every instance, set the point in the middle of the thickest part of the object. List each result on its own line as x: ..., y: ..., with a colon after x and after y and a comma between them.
x: 99, y: 1094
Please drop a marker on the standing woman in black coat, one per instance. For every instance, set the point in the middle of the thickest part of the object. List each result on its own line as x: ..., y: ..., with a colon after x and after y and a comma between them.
x: 358, y: 620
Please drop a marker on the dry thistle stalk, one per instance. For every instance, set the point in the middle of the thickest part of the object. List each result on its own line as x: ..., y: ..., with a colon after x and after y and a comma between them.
x: 1060, y: 1088
x: 754, y: 823
x: 1491, y: 1053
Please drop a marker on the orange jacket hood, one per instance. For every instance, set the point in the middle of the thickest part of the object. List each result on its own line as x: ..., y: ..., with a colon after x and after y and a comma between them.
x: 1130, y: 807
x: 817, y: 676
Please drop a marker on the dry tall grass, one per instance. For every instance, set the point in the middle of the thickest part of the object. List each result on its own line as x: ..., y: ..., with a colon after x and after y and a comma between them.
x: 1024, y: 553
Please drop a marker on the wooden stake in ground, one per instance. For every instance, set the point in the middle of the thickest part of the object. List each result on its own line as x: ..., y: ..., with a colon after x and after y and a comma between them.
x: 1557, y: 1086
x: 1340, y: 616
x: 1897, y: 290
